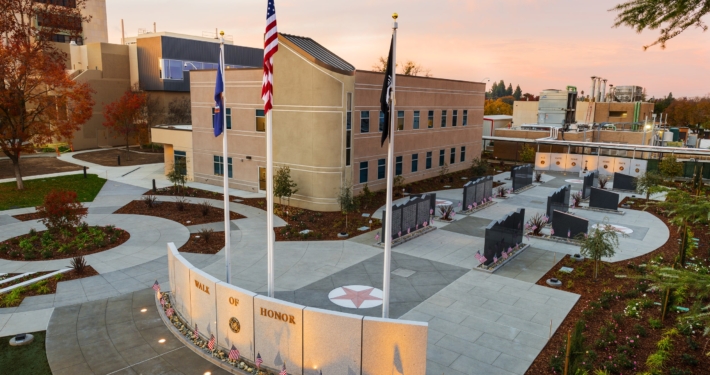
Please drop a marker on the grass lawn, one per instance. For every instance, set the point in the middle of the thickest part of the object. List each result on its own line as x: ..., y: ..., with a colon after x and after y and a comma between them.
x: 35, y: 190
x: 24, y: 360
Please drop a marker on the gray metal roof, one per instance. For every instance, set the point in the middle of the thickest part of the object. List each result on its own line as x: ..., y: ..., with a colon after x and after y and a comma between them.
x: 321, y: 53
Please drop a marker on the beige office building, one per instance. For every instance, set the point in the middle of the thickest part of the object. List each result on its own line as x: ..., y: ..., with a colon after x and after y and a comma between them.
x: 326, y: 126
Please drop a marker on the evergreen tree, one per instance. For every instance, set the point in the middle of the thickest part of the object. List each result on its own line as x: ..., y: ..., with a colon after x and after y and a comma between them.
x: 518, y: 93
x: 509, y: 90
x: 500, y: 92
x: 494, y: 91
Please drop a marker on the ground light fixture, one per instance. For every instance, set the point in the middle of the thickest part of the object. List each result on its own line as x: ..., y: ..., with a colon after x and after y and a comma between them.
x: 144, y: 310
x: 162, y: 341
x: 207, y: 373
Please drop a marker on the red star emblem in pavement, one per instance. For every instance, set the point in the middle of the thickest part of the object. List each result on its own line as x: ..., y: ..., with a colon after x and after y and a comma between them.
x: 356, y: 297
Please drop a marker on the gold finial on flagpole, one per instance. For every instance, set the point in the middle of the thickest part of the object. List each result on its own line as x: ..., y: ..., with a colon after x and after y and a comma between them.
x: 395, y: 16
x: 221, y: 33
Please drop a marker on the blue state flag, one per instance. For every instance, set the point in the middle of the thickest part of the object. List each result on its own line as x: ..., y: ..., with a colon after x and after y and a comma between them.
x: 218, y: 117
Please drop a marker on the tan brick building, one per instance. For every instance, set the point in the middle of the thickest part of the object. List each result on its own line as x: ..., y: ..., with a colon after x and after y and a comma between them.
x: 326, y: 122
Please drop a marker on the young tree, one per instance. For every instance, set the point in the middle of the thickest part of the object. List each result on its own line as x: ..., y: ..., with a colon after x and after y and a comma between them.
x: 123, y: 117
x: 601, y: 242
x: 649, y: 183
x: 180, y: 111
x: 347, y: 203
x: 684, y: 210
x: 177, y: 175
x: 527, y: 154
x: 517, y: 94
x: 38, y: 101
x: 284, y: 185
x: 61, y: 209
x: 672, y: 17
x: 669, y: 167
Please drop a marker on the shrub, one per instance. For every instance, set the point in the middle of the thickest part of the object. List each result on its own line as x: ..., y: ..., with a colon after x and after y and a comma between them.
x: 58, y: 276
x: 13, y: 298
x: 149, y: 200
x: 577, y: 198
x: 603, y: 180
x: 78, y: 264
x: 206, y: 234
x: 29, y: 254
x: 536, y: 223
x: 655, y: 323
x: 446, y: 212
x: 669, y: 167
x: 180, y: 203
x: 47, y: 253
x: 640, y: 330
x: 538, y: 176
x: 527, y: 154
x: 40, y: 287
x: 677, y: 371
x: 502, y: 192
x: 205, y: 208
x: 61, y: 209
x: 689, y: 359
x: 479, y: 167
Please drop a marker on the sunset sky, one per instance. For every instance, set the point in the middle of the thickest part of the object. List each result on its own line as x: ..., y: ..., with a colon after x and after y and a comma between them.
x: 537, y: 44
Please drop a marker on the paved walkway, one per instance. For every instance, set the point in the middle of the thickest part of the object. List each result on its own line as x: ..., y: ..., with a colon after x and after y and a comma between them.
x: 114, y: 336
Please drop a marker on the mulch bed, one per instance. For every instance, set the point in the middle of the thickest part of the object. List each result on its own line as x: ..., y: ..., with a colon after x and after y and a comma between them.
x: 51, y: 284
x: 75, y: 242
x: 191, y: 214
x: 109, y: 158
x: 20, y: 280
x: 187, y: 192
x: 37, y: 166
x: 37, y: 216
x: 196, y: 244
x: 614, y: 294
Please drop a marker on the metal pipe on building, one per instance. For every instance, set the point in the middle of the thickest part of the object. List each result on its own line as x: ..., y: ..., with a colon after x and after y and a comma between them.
x: 592, y: 93
x: 604, y: 90
x: 599, y: 89
x: 123, y: 33
x: 611, y: 92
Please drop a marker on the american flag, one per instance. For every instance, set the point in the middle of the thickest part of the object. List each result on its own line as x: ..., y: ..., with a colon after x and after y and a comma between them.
x: 271, y: 45
x: 505, y: 255
x: 478, y: 256
x: 569, y: 233
x: 211, y: 343
x: 283, y: 370
x: 162, y: 302
x: 233, y: 354
x: 169, y: 312
x: 483, y: 259
x: 196, y: 332
x: 377, y: 237
x: 156, y: 286
x: 259, y: 361
x: 495, y: 259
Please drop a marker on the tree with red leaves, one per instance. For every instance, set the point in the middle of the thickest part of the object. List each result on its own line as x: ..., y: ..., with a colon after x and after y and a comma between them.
x: 124, y: 117
x: 39, y: 102
x: 61, y: 209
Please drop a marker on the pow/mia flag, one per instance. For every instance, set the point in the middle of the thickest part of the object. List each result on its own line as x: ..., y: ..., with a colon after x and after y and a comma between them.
x: 385, y: 102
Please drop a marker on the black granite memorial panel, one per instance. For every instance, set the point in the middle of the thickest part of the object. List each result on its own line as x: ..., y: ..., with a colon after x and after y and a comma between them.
x: 558, y: 200
x: 588, y: 184
x: 410, y: 215
x: 477, y: 191
x: 504, y: 233
x: 567, y: 225
x: 521, y: 176
x: 624, y: 182
x: 604, y: 199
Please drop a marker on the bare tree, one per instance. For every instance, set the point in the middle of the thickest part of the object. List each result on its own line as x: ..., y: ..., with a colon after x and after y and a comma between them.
x: 410, y: 68
x: 180, y: 111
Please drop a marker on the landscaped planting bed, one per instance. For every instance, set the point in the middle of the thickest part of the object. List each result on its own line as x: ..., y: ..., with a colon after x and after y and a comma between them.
x: 63, y: 243
x: 46, y: 286
x: 38, y: 216
x: 198, y: 244
x: 618, y: 317
x: 180, y: 211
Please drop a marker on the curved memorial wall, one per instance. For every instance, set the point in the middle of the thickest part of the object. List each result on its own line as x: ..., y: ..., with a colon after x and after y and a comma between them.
x: 305, y: 339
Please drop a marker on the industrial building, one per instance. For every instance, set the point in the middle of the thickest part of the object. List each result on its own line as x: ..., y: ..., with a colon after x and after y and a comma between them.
x: 326, y: 126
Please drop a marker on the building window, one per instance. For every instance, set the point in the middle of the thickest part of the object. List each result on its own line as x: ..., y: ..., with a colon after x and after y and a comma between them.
x: 415, y: 121
x: 428, y: 160
x: 621, y: 114
x: 180, y: 160
x: 363, y: 172
x: 260, y: 120
x: 348, y: 128
x: 380, y: 169
x: 452, y: 159
x: 454, y: 116
x: 463, y: 154
x: 382, y: 121
x: 398, y: 166
x: 229, y: 117
x: 430, y: 120
x: 364, y: 121
x: 464, y: 121
x: 219, y: 166
x: 400, y: 120
x: 442, y: 156
x: 443, y: 118
x: 415, y: 162
x: 171, y: 69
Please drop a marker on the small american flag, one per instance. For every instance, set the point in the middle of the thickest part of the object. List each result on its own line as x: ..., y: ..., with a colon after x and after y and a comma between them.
x: 552, y: 232
x: 569, y: 233
x: 271, y: 45
x: 495, y: 259
x: 408, y: 229
x: 162, y: 302
x: 259, y: 361
x: 169, y: 312
x: 425, y: 223
x: 377, y: 237
x: 483, y: 259
x: 283, y: 370
x: 196, y: 332
x: 211, y: 343
x: 475, y: 204
x: 156, y: 286
x: 505, y: 255
x: 478, y: 256
x: 431, y: 211
x: 470, y: 207
x: 399, y: 234
x: 233, y: 354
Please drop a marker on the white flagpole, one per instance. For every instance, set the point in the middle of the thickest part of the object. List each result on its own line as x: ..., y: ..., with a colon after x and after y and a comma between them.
x: 269, y: 207
x: 225, y: 165
x: 387, y: 233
